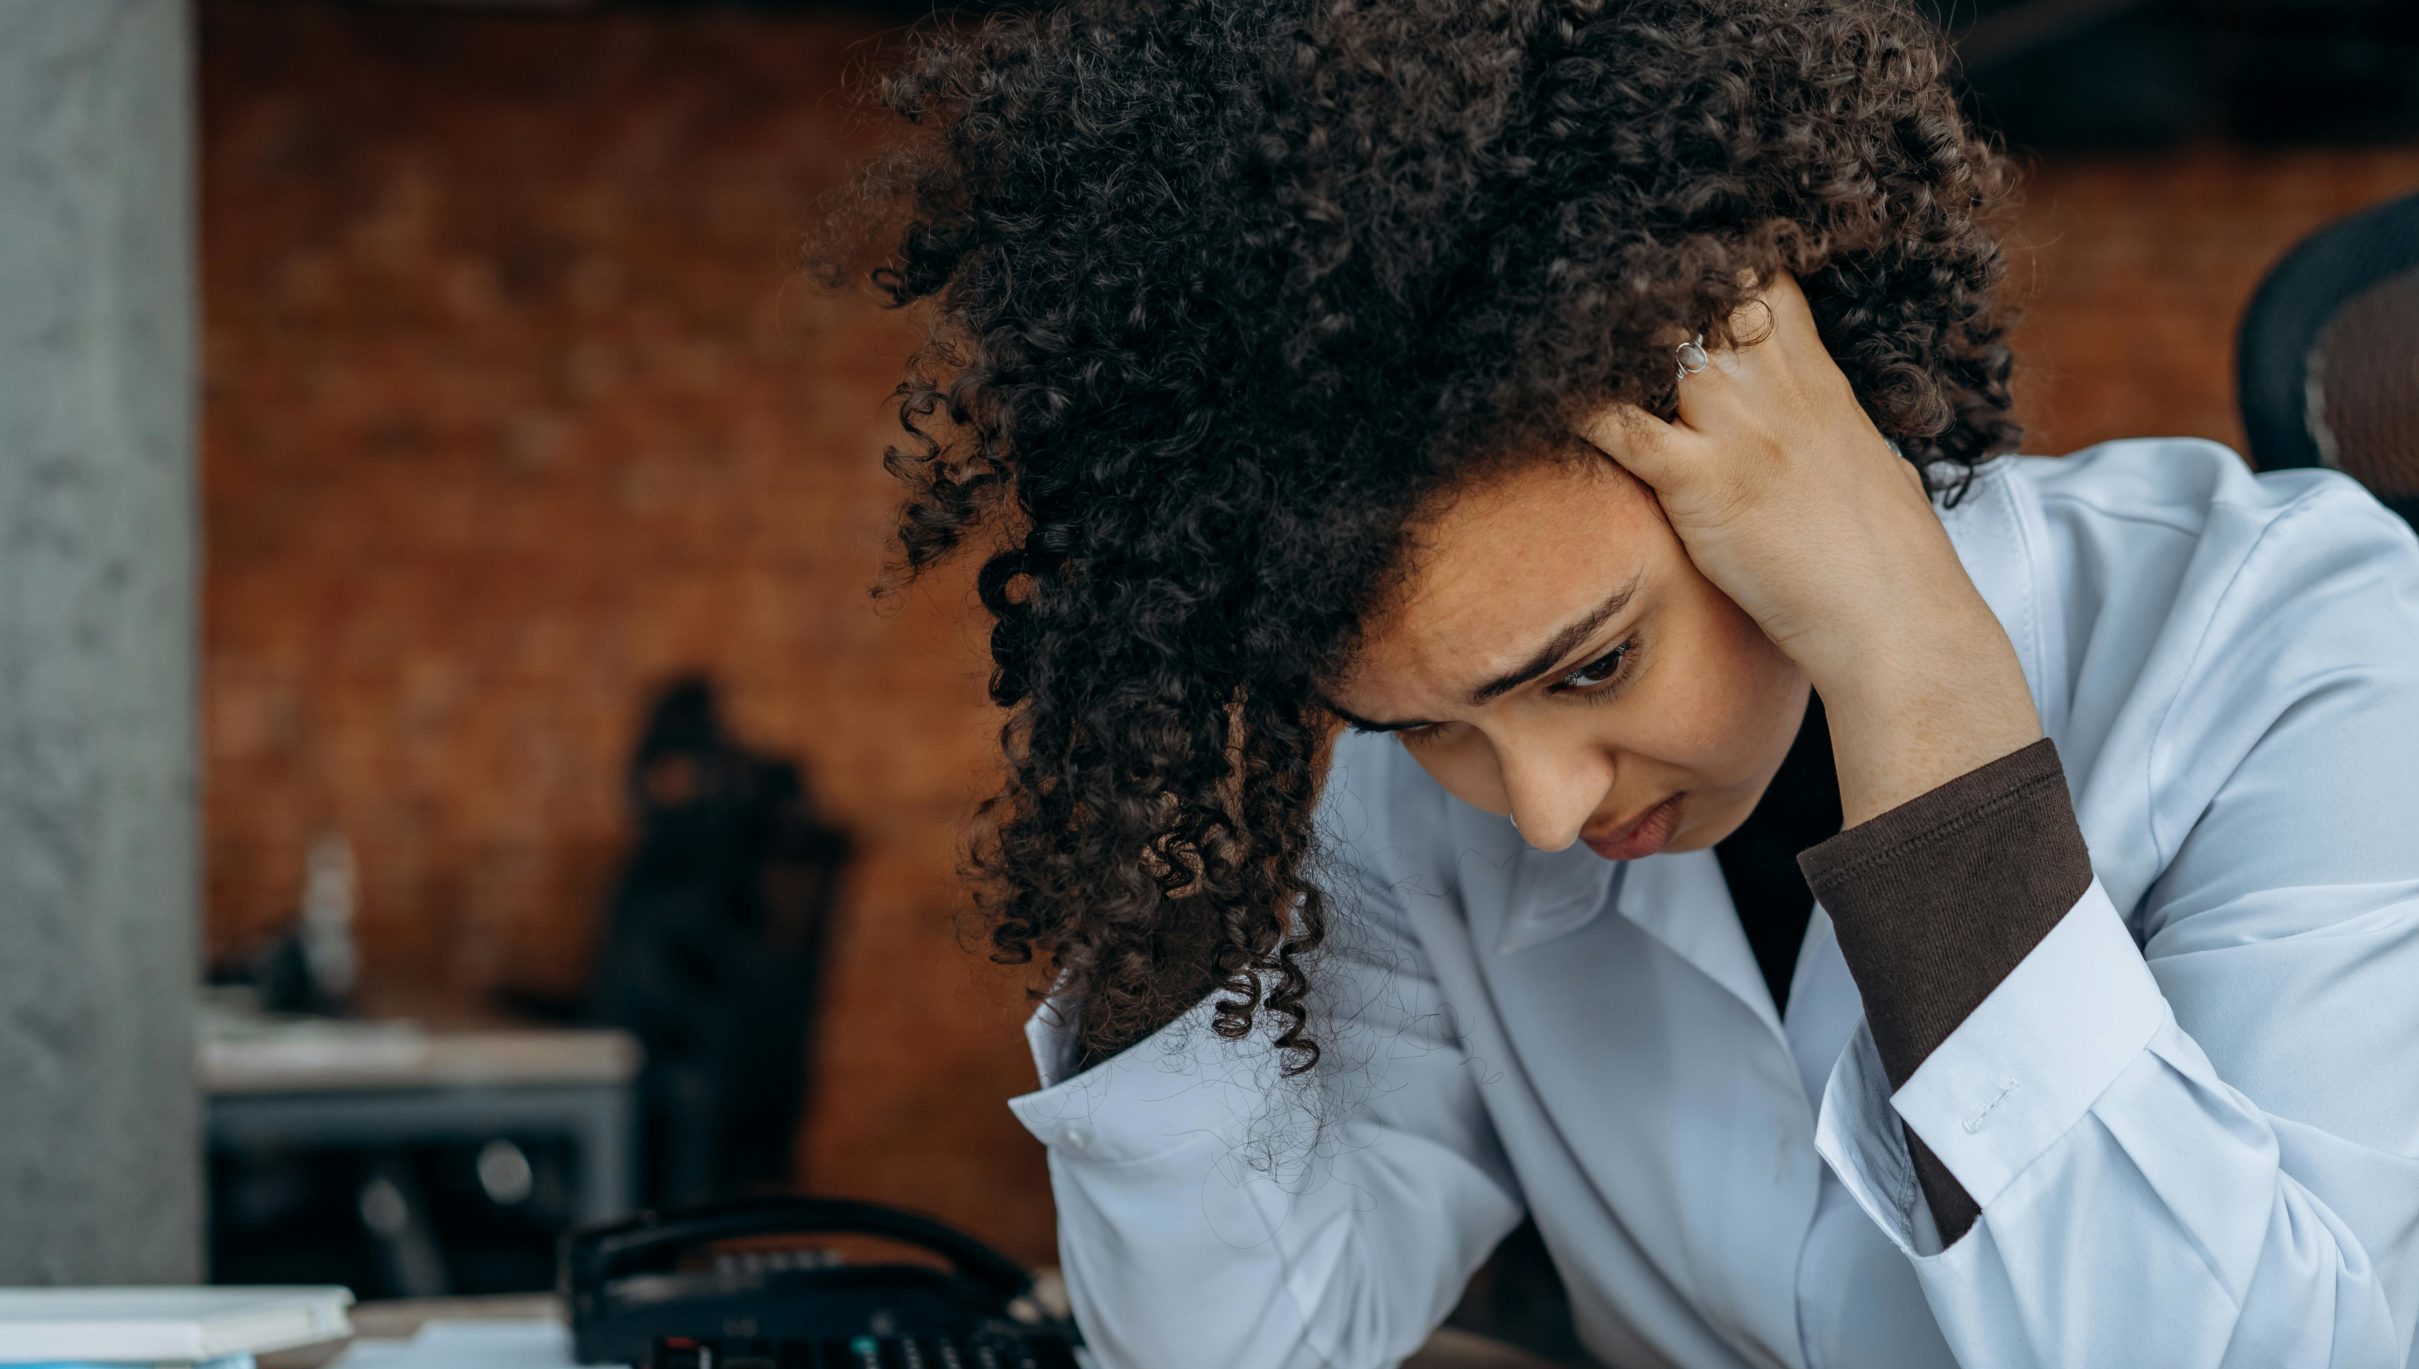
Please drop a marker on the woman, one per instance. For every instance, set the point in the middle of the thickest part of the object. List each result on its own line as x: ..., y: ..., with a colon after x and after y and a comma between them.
x: 1538, y: 684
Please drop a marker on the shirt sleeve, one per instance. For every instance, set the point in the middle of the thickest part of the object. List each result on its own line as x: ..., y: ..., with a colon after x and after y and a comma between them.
x: 1214, y: 1212
x: 2189, y: 1126
x: 1936, y: 900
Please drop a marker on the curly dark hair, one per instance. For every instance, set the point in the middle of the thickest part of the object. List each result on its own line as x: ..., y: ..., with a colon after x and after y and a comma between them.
x: 1226, y: 289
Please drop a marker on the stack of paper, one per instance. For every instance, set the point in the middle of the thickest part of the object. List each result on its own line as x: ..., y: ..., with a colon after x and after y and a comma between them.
x: 220, y: 1328
x: 469, y: 1345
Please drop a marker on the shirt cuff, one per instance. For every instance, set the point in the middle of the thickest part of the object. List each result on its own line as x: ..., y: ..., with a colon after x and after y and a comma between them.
x: 1937, y: 900
x: 1181, y: 1084
x: 2014, y: 1078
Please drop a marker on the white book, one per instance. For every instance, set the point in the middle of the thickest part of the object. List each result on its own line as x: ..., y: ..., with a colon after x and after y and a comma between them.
x: 154, y: 1325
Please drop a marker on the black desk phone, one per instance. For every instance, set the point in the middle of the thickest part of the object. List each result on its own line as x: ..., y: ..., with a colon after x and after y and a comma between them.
x: 670, y: 1291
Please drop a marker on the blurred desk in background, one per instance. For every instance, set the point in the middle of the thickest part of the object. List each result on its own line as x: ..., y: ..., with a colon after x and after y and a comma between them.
x: 381, y: 1329
x: 378, y: 1096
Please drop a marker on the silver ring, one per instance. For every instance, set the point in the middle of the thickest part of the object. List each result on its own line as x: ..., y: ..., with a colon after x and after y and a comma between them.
x: 1692, y: 356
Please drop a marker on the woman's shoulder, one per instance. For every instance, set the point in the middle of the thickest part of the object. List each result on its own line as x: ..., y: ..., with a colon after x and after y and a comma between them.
x: 2193, y: 604
x: 2184, y: 534
x: 2156, y: 553
x: 2117, y: 557
x: 2192, y: 485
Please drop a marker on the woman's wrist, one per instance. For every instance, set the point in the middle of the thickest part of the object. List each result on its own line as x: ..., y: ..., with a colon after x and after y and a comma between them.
x: 1919, y: 712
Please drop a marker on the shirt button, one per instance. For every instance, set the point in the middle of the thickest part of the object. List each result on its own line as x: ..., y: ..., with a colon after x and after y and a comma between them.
x: 1076, y: 1137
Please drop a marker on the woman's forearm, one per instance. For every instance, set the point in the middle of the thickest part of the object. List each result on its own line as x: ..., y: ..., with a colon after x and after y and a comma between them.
x: 1958, y: 850
x: 1911, y: 712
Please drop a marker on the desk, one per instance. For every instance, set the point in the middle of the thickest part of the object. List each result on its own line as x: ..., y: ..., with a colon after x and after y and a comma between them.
x: 368, y: 1084
x: 379, y: 1325
x: 379, y: 1086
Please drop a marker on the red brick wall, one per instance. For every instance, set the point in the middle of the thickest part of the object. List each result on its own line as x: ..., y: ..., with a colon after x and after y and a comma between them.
x: 2135, y: 272
x: 513, y: 411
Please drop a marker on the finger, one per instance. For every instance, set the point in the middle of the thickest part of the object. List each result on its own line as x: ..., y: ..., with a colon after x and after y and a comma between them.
x: 1715, y: 395
x: 1656, y: 452
x: 1773, y: 333
x: 1782, y: 307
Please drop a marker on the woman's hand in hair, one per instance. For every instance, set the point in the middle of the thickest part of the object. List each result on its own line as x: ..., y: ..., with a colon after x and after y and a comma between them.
x: 1794, y: 504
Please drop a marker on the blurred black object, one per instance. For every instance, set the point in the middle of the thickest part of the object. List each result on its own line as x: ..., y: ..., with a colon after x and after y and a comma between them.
x: 2327, y: 359
x: 756, y: 1282
x: 1518, y: 1297
x: 2049, y: 75
x: 308, y: 965
x: 453, y: 1218
x: 278, y: 971
x: 713, y: 951
x: 2085, y: 75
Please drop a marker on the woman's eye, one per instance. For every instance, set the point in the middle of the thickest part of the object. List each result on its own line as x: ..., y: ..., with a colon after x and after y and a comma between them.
x: 1602, y: 671
x: 1599, y: 678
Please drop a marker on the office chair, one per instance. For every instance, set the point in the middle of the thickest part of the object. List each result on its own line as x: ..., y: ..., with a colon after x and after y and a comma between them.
x: 714, y: 948
x: 2327, y: 360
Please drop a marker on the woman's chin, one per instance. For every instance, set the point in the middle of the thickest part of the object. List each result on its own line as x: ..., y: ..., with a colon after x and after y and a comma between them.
x: 1698, y: 831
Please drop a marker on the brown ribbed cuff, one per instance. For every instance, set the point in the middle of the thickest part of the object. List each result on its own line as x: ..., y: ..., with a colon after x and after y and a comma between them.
x: 1937, y: 900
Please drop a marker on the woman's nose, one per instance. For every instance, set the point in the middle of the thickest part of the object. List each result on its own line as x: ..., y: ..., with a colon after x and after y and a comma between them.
x: 1552, y: 791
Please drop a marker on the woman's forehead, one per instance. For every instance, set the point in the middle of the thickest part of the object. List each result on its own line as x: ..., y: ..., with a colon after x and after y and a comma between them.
x: 1500, y: 568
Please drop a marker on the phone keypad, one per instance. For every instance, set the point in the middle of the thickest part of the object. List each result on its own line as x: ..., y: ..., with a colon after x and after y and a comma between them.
x: 880, y: 1352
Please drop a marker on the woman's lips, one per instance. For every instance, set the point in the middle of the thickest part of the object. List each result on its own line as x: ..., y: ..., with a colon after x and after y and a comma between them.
x: 1645, y: 835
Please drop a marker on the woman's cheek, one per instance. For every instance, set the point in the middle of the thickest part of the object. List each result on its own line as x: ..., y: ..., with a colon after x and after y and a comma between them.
x: 1721, y: 703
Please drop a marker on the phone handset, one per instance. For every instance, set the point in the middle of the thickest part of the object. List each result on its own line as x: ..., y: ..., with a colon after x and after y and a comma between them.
x: 654, y: 1240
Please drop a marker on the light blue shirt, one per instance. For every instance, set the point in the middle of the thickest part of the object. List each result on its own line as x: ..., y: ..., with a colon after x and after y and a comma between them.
x: 2190, y: 1115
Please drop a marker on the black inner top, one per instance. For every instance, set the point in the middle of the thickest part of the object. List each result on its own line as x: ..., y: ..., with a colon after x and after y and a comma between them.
x: 1759, y: 861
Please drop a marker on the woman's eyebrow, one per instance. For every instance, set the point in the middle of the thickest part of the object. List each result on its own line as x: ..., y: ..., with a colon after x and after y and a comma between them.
x: 1547, y: 657
x: 1562, y: 644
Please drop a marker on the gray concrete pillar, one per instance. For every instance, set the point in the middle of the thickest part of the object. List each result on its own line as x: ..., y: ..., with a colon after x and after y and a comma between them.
x: 100, y: 1158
